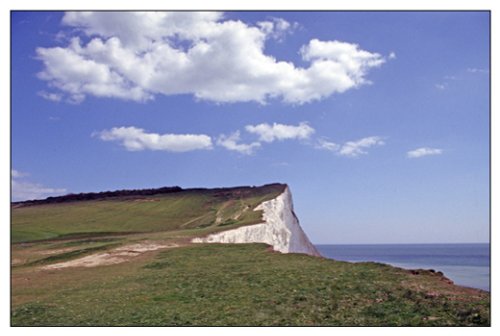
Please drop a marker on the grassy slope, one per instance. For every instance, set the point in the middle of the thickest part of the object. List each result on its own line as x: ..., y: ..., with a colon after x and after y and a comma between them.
x: 197, y: 209
x: 242, y: 285
x: 207, y: 284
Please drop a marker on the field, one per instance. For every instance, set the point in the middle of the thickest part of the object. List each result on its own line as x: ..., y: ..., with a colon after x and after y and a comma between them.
x: 146, y: 273
x: 204, y: 210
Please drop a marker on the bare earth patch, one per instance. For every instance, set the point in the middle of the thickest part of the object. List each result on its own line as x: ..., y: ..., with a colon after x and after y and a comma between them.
x: 16, y: 261
x: 64, y: 250
x: 118, y: 255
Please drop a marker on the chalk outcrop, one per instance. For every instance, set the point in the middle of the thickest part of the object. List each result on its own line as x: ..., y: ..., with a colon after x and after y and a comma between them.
x: 280, y: 229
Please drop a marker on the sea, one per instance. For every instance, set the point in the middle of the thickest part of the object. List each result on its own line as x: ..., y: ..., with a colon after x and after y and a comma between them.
x: 465, y: 264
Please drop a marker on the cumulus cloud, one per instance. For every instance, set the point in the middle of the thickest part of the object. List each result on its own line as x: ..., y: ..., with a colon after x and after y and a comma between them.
x: 277, y: 28
x: 136, y: 139
x: 138, y: 55
x: 25, y: 190
x: 231, y: 142
x: 423, y: 151
x: 265, y: 133
x: 392, y: 55
x: 270, y: 133
x: 346, y: 55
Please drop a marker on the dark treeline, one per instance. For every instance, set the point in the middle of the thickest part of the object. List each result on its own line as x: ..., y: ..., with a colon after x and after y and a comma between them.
x: 100, y: 195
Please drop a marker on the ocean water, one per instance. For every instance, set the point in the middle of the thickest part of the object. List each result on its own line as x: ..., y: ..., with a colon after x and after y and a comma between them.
x: 465, y: 264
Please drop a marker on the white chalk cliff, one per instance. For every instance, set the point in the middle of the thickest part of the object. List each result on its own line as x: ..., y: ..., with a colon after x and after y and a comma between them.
x: 280, y: 229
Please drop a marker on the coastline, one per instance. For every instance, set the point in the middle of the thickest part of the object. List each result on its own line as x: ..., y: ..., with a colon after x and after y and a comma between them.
x: 465, y: 264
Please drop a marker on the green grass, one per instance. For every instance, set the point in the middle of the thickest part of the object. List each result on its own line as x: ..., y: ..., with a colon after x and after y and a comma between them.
x: 221, y: 285
x: 83, y: 242
x: 158, y: 213
x: 209, y: 285
x: 70, y: 254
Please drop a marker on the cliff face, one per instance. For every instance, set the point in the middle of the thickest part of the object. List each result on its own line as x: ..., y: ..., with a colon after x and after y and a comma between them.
x: 280, y: 229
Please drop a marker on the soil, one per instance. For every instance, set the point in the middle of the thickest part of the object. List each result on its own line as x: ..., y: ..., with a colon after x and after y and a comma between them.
x: 115, y: 256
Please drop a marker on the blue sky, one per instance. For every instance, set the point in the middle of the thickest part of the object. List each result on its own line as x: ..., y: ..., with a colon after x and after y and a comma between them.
x: 379, y: 122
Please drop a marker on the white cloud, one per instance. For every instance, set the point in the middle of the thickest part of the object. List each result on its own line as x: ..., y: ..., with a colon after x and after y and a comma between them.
x: 137, y: 55
x: 136, y: 139
x: 231, y: 143
x: 327, y: 145
x: 356, y: 148
x: 17, y: 174
x: 441, y: 86
x: 280, y: 164
x: 282, y: 25
x: 392, y: 55
x: 55, y: 97
x: 24, y: 190
x: 477, y: 70
x: 350, y: 148
x: 277, y: 28
x: 70, y: 71
x: 353, y: 61
x: 270, y: 133
x: 139, y: 30
x: 424, y: 151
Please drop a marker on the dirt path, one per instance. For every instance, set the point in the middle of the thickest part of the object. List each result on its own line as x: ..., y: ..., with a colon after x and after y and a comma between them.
x: 115, y: 256
x: 193, y: 220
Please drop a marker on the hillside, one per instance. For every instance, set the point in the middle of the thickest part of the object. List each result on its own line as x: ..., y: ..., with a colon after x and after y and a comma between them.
x: 188, y: 211
x: 128, y: 258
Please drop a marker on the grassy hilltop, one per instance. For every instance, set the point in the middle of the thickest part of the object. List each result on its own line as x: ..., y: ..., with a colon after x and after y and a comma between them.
x: 141, y: 269
x: 191, y: 211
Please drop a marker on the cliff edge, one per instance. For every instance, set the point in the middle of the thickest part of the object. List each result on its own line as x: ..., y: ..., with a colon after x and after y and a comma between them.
x: 280, y: 229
